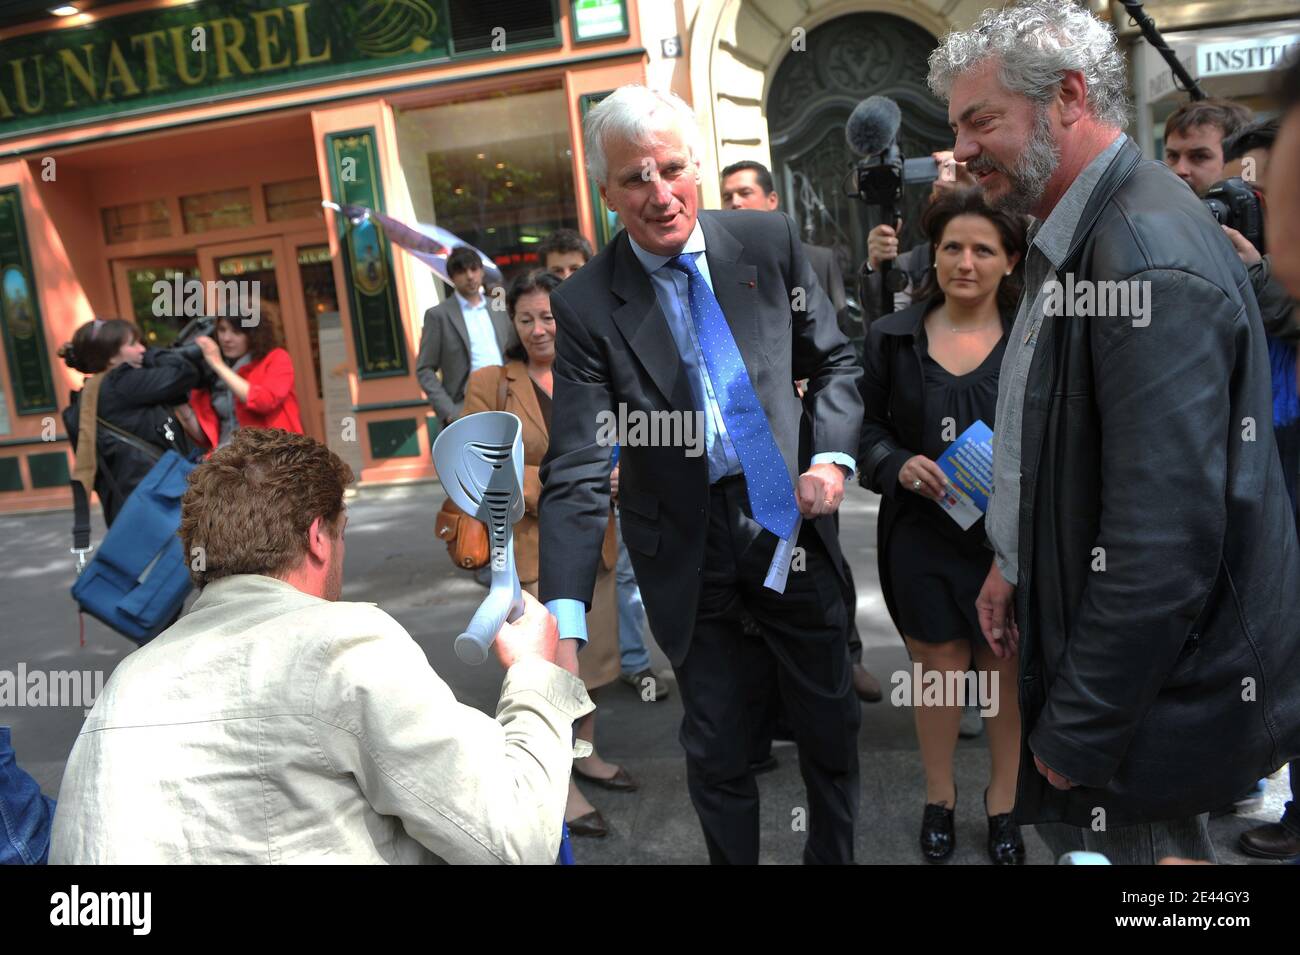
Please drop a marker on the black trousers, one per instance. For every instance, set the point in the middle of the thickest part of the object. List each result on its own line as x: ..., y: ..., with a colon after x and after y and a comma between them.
x: 804, y: 631
x: 768, y: 723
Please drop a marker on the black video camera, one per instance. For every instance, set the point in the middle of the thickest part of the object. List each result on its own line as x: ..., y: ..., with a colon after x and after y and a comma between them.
x: 1235, y: 204
x: 881, y: 178
x: 882, y: 172
x: 187, y: 341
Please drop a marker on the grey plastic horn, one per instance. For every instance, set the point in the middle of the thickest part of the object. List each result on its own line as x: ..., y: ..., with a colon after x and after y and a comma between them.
x: 480, y: 461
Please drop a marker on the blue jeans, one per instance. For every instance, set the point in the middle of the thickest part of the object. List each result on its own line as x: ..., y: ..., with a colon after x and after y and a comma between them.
x: 25, y: 814
x: 631, y: 616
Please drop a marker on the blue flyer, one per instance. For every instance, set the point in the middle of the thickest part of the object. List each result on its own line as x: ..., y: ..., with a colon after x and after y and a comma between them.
x: 968, y: 464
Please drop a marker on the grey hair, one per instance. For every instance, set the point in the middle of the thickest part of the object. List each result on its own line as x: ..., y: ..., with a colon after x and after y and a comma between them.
x: 634, y: 114
x: 1035, y: 43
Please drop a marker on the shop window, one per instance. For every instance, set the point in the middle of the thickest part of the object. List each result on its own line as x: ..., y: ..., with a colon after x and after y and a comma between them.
x: 316, y: 270
x: 295, y: 199
x: 500, y: 171
x: 48, y: 470
x: 223, y: 209
x: 394, y: 439
x: 11, y: 478
x: 159, y: 330
x: 473, y: 23
x: 136, y: 220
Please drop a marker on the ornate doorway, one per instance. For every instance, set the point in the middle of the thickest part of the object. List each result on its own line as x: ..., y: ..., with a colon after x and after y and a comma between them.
x: 812, y: 94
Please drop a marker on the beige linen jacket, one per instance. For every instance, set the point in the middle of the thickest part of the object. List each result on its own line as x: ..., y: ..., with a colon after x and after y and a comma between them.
x: 270, y: 726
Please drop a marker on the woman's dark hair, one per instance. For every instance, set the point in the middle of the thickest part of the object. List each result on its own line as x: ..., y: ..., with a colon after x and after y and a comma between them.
x: 262, y: 337
x: 95, y: 344
x: 525, y: 283
x: 970, y: 201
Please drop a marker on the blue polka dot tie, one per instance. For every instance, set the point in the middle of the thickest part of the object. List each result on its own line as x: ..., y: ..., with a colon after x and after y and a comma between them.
x: 771, y: 495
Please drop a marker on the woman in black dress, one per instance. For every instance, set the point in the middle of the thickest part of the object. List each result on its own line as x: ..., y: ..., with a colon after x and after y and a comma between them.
x: 931, y: 371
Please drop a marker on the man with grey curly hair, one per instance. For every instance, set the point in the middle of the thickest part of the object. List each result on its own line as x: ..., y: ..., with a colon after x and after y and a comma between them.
x: 1137, y: 515
x: 1026, y: 50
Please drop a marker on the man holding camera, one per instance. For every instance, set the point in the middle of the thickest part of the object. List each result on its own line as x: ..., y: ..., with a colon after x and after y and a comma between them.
x: 1194, y: 138
x: 1247, y: 157
x: 882, y: 246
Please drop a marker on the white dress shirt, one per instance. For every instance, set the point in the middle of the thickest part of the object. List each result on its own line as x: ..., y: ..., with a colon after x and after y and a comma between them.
x: 483, y: 347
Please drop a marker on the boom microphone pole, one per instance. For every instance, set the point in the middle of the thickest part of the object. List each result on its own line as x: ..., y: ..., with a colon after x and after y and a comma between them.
x: 1184, y: 80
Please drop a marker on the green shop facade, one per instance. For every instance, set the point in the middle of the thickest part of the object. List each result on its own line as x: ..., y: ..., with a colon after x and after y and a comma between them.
x: 197, y: 141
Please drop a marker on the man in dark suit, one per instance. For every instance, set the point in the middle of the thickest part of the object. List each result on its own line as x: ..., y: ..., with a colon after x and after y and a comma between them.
x: 710, y: 318
x: 467, y: 331
x: 748, y: 185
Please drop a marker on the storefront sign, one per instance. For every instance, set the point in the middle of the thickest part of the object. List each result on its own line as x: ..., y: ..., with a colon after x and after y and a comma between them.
x: 367, y: 258
x: 1213, y: 55
x: 20, y: 313
x: 205, y: 50
x: 598, y: 19
x: 1245, y: 56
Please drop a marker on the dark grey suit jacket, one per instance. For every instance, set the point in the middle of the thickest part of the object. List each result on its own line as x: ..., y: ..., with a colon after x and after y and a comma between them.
x: 444, y: 346
x: 827, y: 271
x: 614, y: 347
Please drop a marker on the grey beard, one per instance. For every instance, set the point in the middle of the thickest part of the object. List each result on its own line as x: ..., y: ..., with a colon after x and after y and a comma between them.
x: 1028, y: 180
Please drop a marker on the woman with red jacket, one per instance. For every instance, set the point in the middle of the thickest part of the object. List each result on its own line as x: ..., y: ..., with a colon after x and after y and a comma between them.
x: 253, y: 386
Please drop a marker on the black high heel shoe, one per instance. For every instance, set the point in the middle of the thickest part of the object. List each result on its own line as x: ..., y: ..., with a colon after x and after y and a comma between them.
x: 938, y: 832
x: 1005, y: 845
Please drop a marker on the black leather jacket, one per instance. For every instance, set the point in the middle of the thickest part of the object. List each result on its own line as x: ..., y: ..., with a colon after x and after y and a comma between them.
x: 139, y: 401
x: 1158, y: 603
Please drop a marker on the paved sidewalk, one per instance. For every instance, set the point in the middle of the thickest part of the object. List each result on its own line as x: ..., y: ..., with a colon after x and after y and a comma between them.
x: 394, y: 560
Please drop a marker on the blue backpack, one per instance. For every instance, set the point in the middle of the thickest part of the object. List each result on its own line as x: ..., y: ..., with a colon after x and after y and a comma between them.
x: 138, y: 578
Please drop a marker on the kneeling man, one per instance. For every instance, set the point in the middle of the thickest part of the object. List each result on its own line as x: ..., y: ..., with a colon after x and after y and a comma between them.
x: 273, y: 723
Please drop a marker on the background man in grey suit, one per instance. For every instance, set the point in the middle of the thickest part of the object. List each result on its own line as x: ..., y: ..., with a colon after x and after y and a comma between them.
x: 467, y: 331
x: 749, y: 185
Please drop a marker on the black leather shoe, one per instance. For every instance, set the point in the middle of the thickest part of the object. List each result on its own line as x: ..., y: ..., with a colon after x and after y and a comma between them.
x: 938, y: 833
x: 1272, y: 841
x: 1005, y: 845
